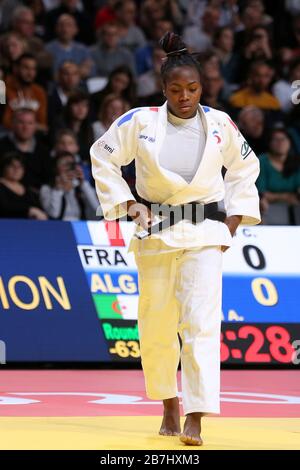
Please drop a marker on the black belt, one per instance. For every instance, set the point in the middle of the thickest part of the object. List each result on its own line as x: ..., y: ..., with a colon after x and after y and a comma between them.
x: 193, y: 211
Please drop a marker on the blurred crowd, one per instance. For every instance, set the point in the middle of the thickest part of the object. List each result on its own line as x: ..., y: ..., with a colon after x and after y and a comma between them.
x: 71, y: 67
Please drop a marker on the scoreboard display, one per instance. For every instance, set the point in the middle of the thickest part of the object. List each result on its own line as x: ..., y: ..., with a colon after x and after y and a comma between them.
x: 261, y: 287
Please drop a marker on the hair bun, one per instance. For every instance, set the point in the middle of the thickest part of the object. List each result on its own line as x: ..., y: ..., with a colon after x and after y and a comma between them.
x: 172, y: 44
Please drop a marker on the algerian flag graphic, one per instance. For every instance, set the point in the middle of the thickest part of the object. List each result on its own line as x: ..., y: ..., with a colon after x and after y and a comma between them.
x: 121, y: 307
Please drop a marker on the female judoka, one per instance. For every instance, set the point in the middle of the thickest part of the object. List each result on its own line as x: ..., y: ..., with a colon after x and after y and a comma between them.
x: 179, y: 151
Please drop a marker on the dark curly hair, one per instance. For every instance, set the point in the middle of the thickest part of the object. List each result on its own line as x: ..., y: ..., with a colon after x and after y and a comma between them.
x: 177, y: 55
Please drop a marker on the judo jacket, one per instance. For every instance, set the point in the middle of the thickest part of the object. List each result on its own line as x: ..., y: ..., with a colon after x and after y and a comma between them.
x: 139, y: 134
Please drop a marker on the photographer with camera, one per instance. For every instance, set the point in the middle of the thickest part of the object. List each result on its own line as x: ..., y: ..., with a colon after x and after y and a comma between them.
x: 68, y: 196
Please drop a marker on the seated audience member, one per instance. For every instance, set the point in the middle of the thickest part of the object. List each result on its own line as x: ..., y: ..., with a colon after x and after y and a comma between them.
x: 199, y: 38
x: 152, y: 11
x: 131, y: 35
x: 68, y: 81
x: 149, y: 89
x: 259, y: 44
x: 66, y: 142
x: 112, y: 107
x: 69, y: 196
x: 7, y: 8
x: 39, y: 9
x: 251, y: 16
x: 24, y: 140
x: 279, y: 181
x: 76, y: 118
x: 107, y: 54
x: 257, y: 92
x: 213, y: 84
x: 12, y: 46
x: 17, y: 200
x: 144, y: 55
x: 105, y: 14
x: 121, y: 83
x: 79, y: 12
x: 229, y: 11
x: 251, y: 122
x: 23, y: 22
x: 291, y: 49
x: 224, y: 48
x: 23, y: 92
x: 64, y: 48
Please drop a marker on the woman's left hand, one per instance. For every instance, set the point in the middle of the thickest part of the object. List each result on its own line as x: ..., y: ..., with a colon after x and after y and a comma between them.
x: 232, y: 223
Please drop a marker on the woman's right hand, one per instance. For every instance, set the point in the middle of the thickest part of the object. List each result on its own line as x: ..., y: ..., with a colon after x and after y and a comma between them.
x: 140, y: 214
x: 37, y: 214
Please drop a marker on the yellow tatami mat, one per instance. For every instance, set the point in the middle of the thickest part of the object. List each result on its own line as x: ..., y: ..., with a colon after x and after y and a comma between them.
x: 139, y: 432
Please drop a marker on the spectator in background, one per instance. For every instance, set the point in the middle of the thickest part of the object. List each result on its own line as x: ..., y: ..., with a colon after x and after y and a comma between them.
x: 23, y: 22
x: 68, y: 81
x: 224, y: 48
x: 209, y: 60
x: 156, y: 10
x: 39, y: 11
x: 291, y: 50
x: 24, y: 140
x: 66, y: 142
x: 251, y: 16
x: 257, y: 92
x: 107, y: 54
x: 7, y: 8
x: 258, y: 46
x: 213, y: 84
x: 17, y: 200
x: 85, y: 33
x: 149, y: 85
x: 23, y: 92
x: 200, y: 38
x: 76, y: 118
x: 279, y: 181
x: 105, y: 14
x: 64, y: 48
x: 12, y: 46
x: 112, y: 107
x: 144, y: 55
x: 131, y: 35
x: 69, y: 196
x: 120, y: 83
x: 251, y: 122
x: 229, y: 11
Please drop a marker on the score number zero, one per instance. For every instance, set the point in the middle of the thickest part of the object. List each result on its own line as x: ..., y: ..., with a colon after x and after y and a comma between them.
x: 259, y: 283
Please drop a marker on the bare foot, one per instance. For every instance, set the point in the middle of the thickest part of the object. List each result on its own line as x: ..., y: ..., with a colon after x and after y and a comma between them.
x: 192, y: 429
x: 171, y: 420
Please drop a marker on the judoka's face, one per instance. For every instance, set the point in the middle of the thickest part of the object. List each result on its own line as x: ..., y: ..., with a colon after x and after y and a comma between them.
x: 183, y: 91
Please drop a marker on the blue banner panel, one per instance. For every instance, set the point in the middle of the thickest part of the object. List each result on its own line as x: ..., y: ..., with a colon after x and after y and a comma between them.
x: 46, y: 309
x: 261, y: 299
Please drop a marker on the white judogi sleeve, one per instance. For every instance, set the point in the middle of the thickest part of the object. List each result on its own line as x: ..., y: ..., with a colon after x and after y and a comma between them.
x: 241, y: 195
x: 115, y: 148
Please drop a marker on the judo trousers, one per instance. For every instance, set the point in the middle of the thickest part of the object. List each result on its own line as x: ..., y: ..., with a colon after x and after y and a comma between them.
x: 181, y: 293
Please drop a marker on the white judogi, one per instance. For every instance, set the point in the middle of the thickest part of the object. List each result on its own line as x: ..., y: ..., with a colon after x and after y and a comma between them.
x: 180, y: 283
